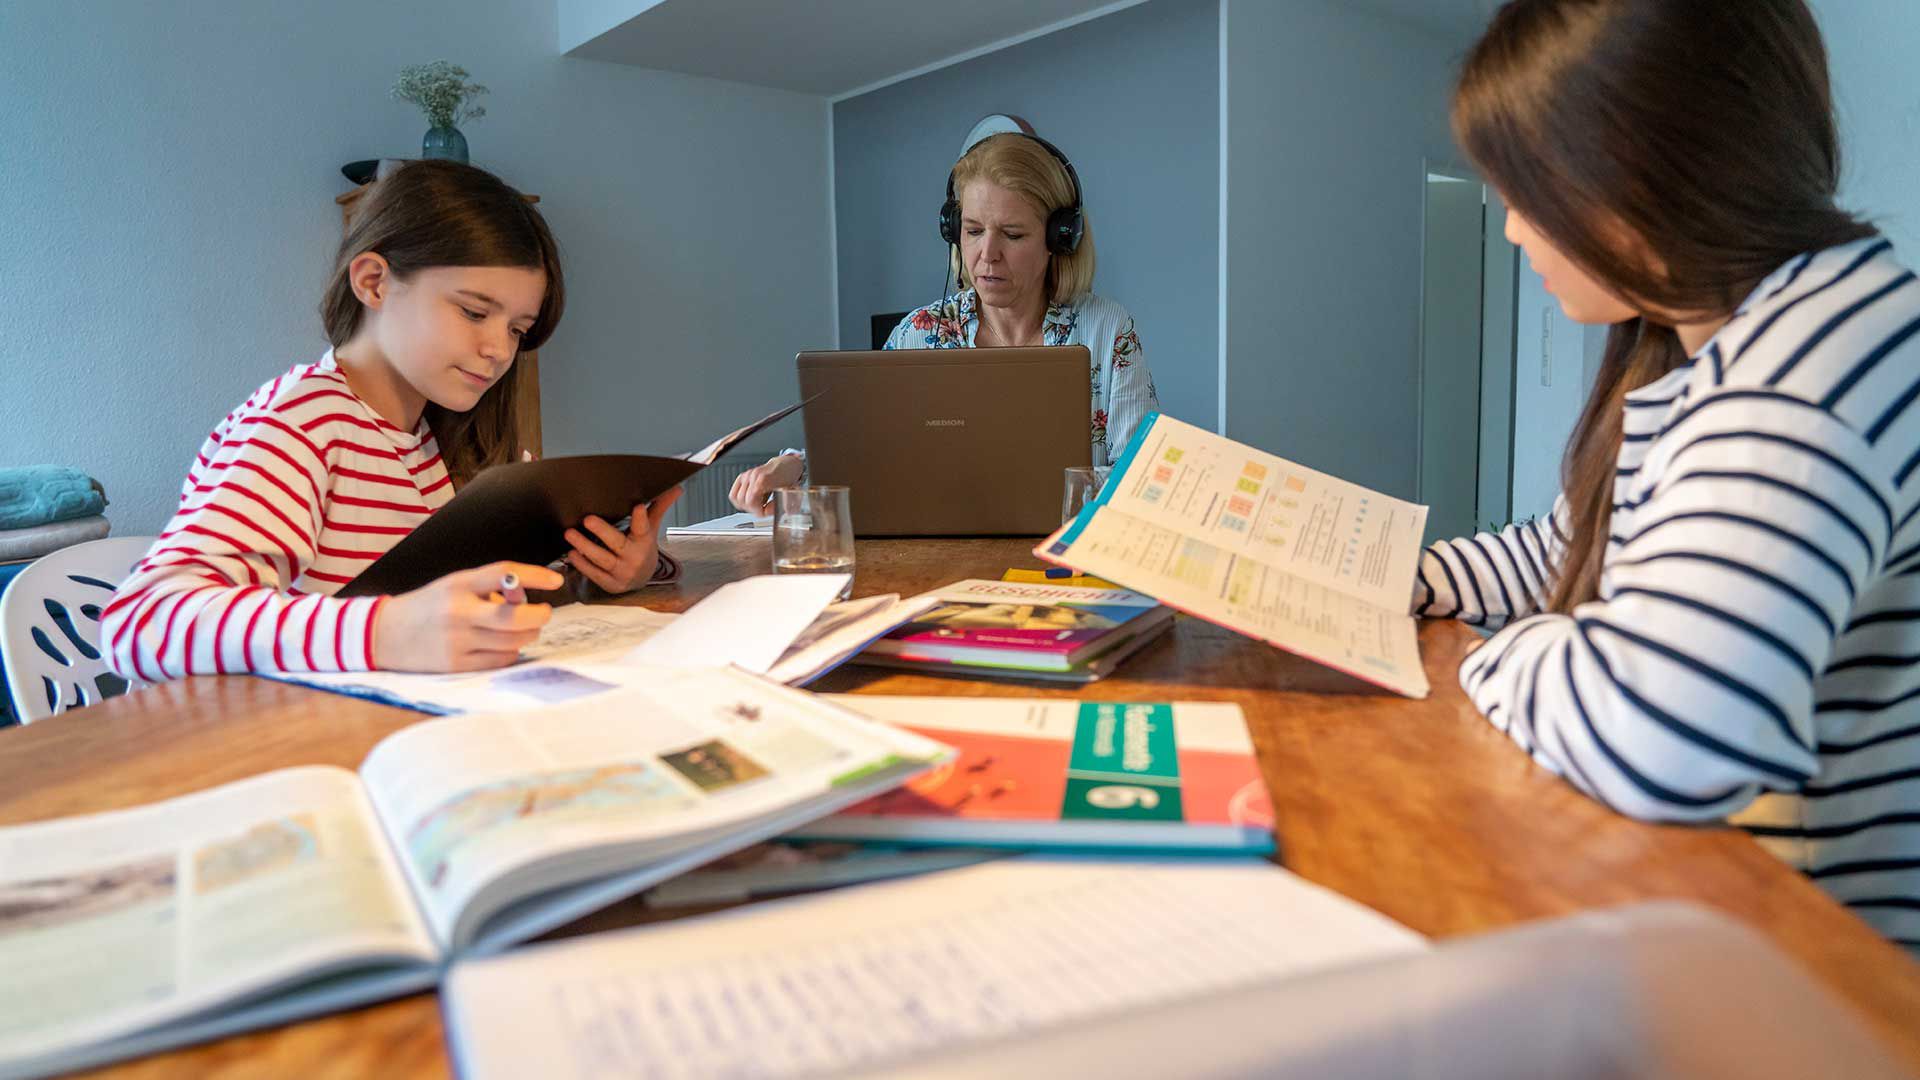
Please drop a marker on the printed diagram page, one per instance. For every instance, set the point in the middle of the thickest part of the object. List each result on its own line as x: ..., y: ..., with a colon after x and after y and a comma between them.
x: 1302, y: 560
x: 113, y: 923
x: 1267, y: 509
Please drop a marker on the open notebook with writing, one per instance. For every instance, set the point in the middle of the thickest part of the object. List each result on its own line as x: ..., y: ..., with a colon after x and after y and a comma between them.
x: 310, y: 889
x: 785, y: 627
x: 883, y: 976
x: 1260, y: 545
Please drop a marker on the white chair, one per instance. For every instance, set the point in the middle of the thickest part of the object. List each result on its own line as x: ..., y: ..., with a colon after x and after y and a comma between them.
x: 50, y: 626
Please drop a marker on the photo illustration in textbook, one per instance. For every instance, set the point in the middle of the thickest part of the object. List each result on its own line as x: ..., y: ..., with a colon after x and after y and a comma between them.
x: 306, y: 890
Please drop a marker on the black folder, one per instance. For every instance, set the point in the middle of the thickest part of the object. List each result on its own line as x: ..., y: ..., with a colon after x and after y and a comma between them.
x: 521, y: 512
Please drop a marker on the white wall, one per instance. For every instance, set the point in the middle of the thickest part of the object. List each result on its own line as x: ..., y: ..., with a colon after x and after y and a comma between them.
x: 1873, y: 47
x: 1329, y: 113
x: 167, y: 174
x: 166, y: 221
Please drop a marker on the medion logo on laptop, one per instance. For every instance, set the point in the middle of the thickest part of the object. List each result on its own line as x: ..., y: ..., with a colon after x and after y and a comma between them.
x: 946, y: 423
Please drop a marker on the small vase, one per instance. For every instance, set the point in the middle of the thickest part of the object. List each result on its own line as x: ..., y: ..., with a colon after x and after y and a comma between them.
x: 444, y: 142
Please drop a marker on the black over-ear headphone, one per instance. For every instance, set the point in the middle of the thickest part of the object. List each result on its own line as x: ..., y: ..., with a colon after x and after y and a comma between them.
x: 1064, y: 225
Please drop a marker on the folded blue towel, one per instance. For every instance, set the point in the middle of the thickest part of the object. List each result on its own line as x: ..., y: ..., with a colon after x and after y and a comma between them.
x: 33, y: 495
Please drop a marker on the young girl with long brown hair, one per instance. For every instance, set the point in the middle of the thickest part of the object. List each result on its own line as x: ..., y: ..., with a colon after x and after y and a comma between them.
x: 1721, y: 618
x: 444, y: 275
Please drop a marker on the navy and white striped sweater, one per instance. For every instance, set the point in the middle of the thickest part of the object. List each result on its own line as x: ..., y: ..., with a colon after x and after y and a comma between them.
x: 1755, y: 651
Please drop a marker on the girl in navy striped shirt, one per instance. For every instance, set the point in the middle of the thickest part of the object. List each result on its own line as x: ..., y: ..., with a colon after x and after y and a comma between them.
x: 1721, y: 618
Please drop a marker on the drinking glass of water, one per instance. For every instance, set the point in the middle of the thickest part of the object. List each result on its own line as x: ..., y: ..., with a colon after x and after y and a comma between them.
x: 1083, y: 486
x: 813, y: 532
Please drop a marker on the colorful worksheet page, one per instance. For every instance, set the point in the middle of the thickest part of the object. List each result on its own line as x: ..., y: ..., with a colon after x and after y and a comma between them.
x: 1272, y: 549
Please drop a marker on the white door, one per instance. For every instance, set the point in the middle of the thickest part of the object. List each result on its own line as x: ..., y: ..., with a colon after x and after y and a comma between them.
x: 1453, y: 239
x: 1551, y: 375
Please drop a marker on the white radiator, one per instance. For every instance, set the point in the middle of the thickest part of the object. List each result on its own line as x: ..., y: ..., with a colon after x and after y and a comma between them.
x: 706, y: 496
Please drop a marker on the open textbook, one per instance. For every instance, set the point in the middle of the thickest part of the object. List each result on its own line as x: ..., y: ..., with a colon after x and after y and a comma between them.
x: 784, y: 626
x: 1260, y: 545
x: 520, y: 512
x: 887, y: 975
x: 310, y: 889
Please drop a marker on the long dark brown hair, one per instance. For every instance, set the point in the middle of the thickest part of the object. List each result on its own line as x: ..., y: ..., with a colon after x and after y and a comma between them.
x: 1701, y: 129
x: 442, y: 213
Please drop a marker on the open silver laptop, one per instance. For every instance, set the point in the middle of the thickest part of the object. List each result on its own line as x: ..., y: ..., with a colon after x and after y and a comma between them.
x: 948, y: 442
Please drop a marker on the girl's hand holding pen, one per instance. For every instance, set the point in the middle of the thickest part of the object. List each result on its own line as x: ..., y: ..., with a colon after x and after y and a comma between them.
x: 465, y: 621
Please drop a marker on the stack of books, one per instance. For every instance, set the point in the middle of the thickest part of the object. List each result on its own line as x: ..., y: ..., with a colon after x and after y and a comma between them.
x: 1022, y: 630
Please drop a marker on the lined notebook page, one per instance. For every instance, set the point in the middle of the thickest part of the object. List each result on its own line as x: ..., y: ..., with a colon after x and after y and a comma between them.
x: 894, y: 971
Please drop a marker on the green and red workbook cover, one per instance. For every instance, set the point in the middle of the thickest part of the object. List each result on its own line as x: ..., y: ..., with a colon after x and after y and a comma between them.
x: 1058, y: 773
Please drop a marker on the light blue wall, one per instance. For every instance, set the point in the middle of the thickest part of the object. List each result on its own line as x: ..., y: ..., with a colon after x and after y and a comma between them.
x: 1133, y: 99
x: 1873, y: 47
x: 167, y: 174
x: 1329, y: 114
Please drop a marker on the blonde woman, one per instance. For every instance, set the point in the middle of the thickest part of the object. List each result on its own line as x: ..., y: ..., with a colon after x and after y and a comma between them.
x: 1024, y: 256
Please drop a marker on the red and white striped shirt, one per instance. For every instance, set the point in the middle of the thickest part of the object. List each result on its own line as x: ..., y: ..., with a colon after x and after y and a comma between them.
x: 293, y: 494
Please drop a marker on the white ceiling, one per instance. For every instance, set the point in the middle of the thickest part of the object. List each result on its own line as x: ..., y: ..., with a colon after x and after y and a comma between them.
x: 1460, y: 20
x: 828, y: 47
x: 839, y: 47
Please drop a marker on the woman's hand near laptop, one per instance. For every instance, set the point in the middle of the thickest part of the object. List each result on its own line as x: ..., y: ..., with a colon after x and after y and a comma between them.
x: 753, y: 489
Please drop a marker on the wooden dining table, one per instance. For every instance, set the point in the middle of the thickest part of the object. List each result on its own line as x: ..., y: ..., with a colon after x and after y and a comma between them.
x: 1417, y: 808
